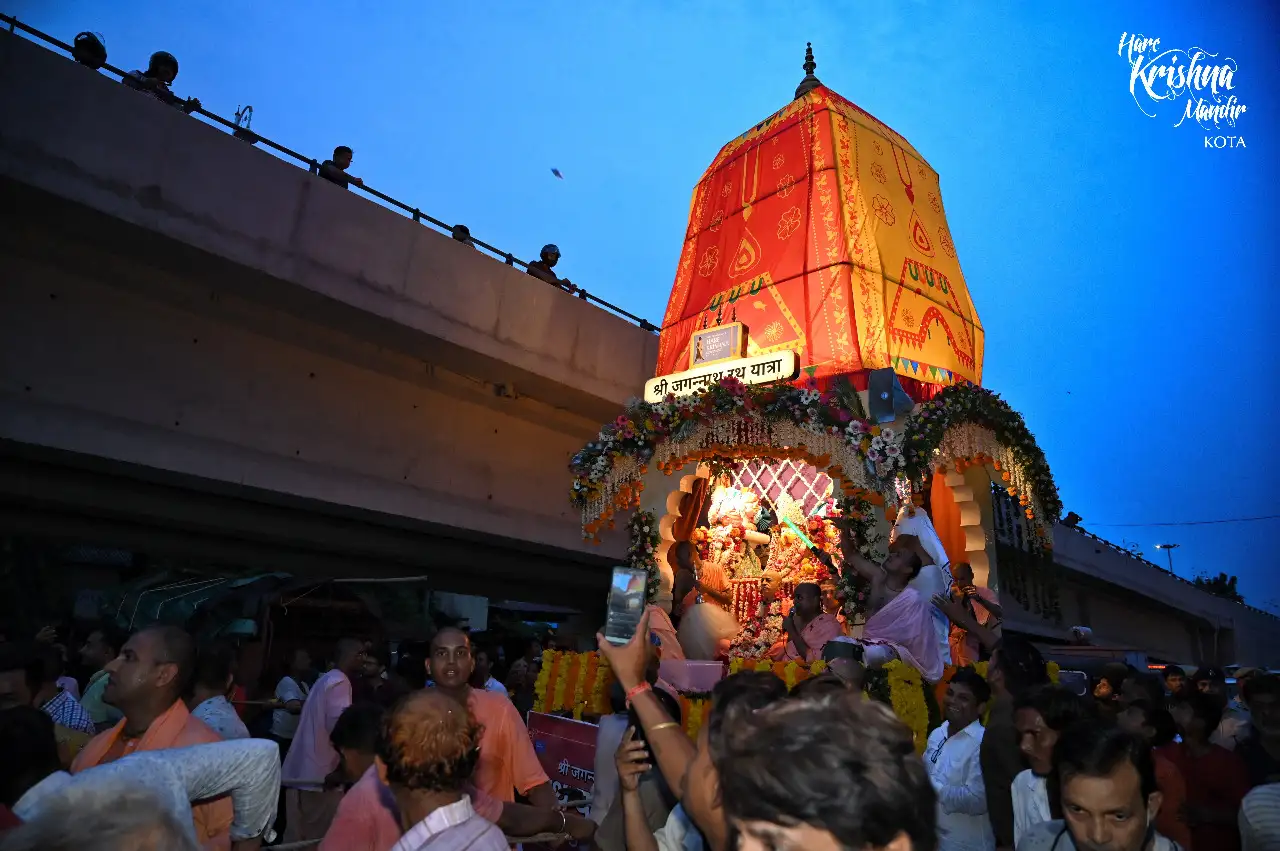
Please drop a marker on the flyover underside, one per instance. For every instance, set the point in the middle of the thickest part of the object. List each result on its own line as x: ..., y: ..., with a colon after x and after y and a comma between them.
x: 74, y: 498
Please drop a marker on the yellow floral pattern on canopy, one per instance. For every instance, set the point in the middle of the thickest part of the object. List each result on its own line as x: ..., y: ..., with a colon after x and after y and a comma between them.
x: 823, y: 231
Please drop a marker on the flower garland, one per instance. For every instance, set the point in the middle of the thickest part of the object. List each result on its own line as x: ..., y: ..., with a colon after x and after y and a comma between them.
x: 898, y: 684
x: 600, y: 676
x: 695, y: 717
x: 562, y: 672
x: 789, y: 675
x: 728, y: 419
x: 965, y: 421
x: 585, y: 666
x: 906, y: 696
x: 644, y: 537
x: 544, y: 677
x: 757, y: 636
x: 857, y: 516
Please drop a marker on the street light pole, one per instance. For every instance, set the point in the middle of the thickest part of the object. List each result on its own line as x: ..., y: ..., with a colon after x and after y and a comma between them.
x: 1168, y: 550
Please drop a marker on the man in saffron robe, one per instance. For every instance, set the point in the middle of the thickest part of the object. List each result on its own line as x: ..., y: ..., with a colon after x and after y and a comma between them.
x: 508, y: 763
x: 982, y: 604
x: 899, y: 620
x: 808, y: 627
x: 146, y: 682
x: 661, y: 626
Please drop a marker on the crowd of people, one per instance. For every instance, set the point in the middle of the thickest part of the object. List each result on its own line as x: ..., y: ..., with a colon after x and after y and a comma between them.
x: 1018, y: 762
x: 362, y: 757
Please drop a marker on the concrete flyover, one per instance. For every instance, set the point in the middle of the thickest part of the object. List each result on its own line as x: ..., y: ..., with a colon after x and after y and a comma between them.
x: 196, y: 336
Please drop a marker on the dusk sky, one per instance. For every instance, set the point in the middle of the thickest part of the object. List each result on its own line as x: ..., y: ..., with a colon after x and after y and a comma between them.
x: 1125, y: 275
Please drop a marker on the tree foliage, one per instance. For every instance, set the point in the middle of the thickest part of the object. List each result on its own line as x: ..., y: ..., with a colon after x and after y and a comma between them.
x: 1220, y: 586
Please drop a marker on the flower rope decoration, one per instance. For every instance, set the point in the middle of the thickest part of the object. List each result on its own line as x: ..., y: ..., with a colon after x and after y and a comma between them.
x: 544, y: 677
x: 906, y: 696
x: 561, y: 674
x: 896, y: 684
x: 757, y: 636
x: 642, y: 551
x: 964, y: 425
x: 856, y: 514
x: 730, y: 420
x: 580, y: 683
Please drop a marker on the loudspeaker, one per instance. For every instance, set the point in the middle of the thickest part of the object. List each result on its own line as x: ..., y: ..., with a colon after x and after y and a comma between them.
x: 886, y: 400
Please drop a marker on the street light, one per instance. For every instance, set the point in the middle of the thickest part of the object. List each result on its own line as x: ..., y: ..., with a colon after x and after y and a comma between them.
x: 1168, y: 550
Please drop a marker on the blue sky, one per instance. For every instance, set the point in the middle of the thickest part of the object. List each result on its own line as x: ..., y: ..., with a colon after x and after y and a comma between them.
x: 1125, y: 275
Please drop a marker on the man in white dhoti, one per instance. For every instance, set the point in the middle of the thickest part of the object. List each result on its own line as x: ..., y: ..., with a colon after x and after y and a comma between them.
x: 899, y: 619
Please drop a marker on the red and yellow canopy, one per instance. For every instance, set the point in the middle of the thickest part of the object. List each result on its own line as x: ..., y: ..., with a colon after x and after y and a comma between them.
x: 823, y: 231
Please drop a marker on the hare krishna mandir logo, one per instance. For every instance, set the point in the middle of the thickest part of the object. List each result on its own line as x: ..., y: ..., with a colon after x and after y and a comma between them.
x: 1196, y: 77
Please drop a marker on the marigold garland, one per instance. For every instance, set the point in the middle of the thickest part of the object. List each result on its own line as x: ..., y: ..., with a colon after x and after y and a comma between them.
x: 694, y: 719
x: 544, y: 677
x: 557, y: 677
x: 789, y: 675
x: 583, y: 669
x: 577, y: 675
x: 906, y: 696
x: 602, y: 675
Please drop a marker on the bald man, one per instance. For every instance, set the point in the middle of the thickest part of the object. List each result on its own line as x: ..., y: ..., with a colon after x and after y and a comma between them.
x: 428, y: 750
x: 508, y: 763
x: 146, y: 682
x: 309, y: 772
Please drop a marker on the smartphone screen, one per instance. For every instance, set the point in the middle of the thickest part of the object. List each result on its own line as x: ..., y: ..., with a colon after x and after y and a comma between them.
x: 626, y: 604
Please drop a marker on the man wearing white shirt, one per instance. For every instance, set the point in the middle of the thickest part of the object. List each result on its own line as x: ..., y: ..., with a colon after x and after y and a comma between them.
x: 952, y: 760
x: 215, y: 667
x: 482, y: 676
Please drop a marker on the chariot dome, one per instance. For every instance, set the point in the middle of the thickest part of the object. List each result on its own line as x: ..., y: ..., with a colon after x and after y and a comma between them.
x: 823, y: 231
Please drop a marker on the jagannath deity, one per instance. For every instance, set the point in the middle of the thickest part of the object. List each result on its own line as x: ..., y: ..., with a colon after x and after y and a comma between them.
x: 751, y: 558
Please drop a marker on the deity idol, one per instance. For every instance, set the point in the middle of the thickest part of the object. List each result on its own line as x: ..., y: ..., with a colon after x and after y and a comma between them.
x: 727, y: 553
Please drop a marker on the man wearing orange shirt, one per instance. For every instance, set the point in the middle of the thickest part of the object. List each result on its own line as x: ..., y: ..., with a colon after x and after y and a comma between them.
x: 508, y: 763
x: 146, y: 682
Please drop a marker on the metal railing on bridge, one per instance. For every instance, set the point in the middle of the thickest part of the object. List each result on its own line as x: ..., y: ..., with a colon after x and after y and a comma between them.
x: 313, y: 166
